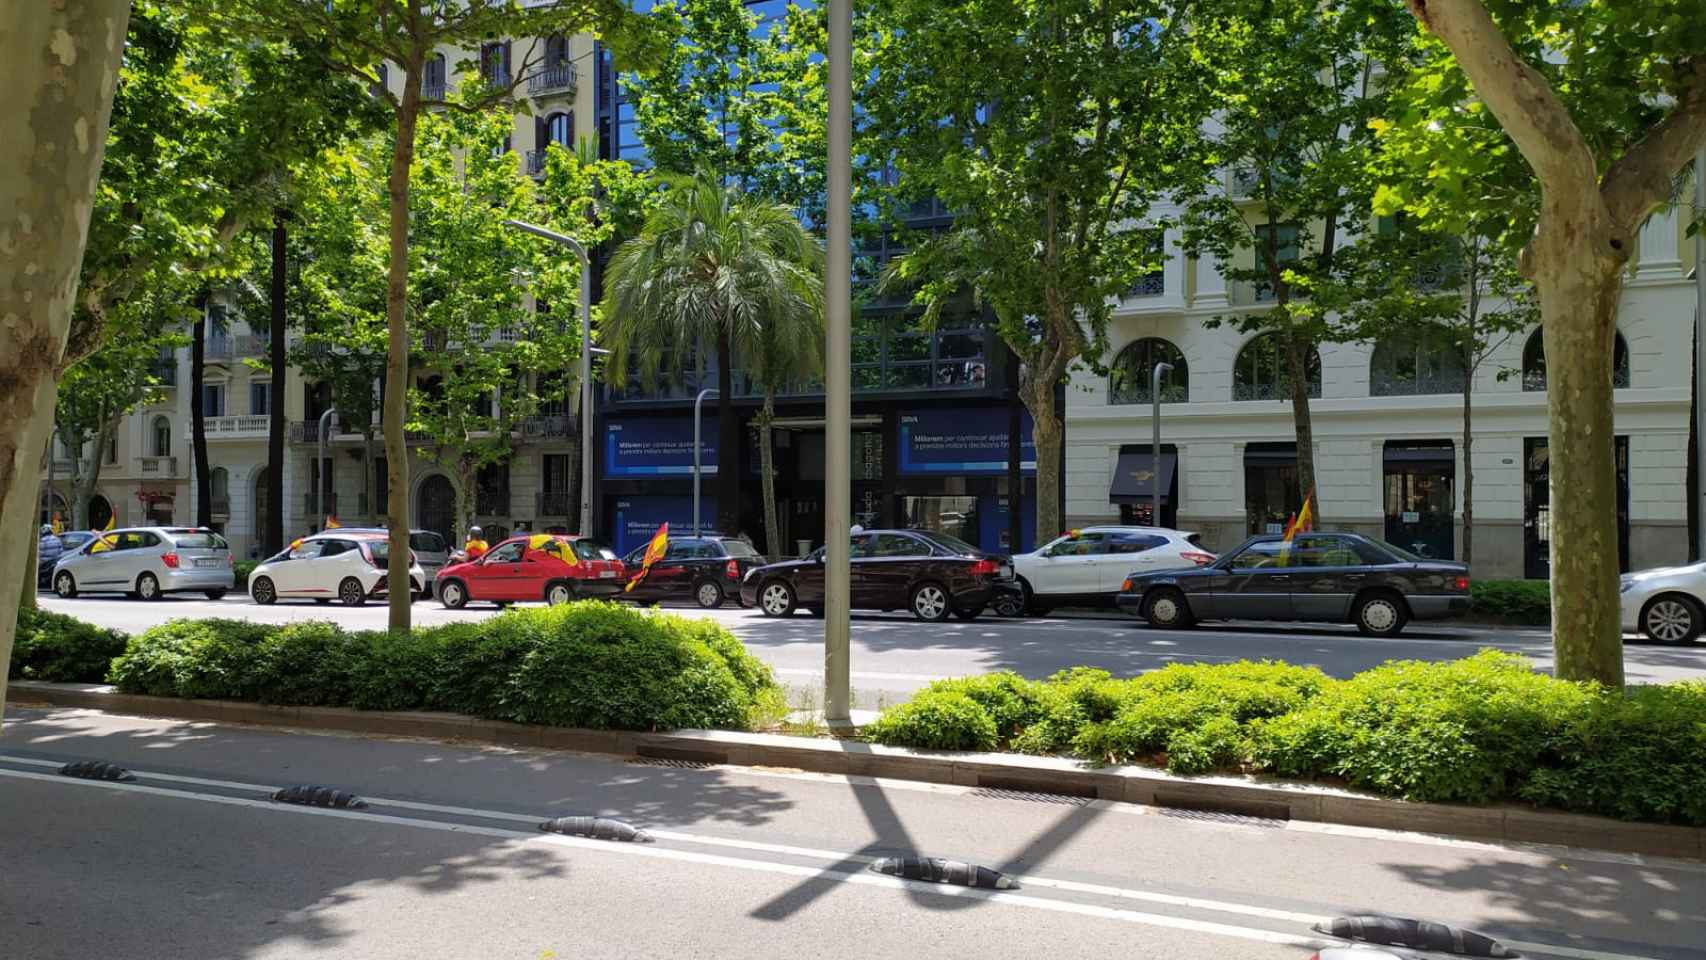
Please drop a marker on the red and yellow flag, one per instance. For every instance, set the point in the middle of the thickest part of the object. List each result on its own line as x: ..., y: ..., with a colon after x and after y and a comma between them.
x: 655, y: 550
x: 1304, y: 522
x: 332, y: 522
x: 548, y: 543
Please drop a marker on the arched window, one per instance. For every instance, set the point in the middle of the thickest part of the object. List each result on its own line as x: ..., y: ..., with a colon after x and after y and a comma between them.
x: 559, y: 129
x: 556, y: 51
x: 432, y: 78
x: 1129, y: 380
x: 219, y: 487
x: 1425, y: 360
x: 162, y: 437
x: 1534, y: 362
x: 1260, y: 372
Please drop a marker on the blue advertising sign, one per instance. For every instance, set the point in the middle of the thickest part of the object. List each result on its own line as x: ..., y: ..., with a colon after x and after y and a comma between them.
x: 637, y: 518
x: 961, y: 441
x: 993, y: 534
x: 658, y: 446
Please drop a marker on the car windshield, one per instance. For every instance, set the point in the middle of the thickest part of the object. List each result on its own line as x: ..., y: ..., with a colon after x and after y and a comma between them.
x: 947, y: 542
x: 1396, y: 551
x: 593, y: 550
x: 739, y: 548
x: 200, y: 541
x: 426, y: 542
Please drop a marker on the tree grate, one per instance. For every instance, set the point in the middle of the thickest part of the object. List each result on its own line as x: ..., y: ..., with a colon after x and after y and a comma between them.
x: 672, y: 764
x: 1211, y: 816
x: 1028, y: 796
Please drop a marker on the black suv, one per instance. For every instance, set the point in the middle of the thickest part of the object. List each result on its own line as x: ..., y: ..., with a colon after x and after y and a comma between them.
x: 707, y: 569
x: 1331, y: 577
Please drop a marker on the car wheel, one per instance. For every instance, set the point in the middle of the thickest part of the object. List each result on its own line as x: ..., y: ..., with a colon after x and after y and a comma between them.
x: 351, y: 593
x: 930, y: 602
x: 453, y: 595
x: 262, y: 591
x: 1008, y: 605
x: 215, y: 594
x: 558, y: 594
x: 969, y: 613
x: 148, y: 587
x: 709, y: 594
x: 1671, y: 619
x: 776, y: 599
x: 1168, y: 609
x: 1381, y: 615
x: 65, y: 585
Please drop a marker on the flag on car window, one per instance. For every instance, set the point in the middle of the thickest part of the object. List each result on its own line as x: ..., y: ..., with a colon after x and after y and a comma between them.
x: 1304, y: 521
x: 655, y: 550
x: 546, y: 543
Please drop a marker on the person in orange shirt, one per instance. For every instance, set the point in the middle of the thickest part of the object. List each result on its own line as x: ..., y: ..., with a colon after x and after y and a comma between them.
x: 476, y: 546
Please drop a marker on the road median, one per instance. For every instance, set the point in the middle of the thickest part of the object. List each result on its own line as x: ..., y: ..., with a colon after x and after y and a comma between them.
x: 1252, y: 796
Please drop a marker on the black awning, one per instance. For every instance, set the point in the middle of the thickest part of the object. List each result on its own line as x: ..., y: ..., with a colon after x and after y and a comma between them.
x: 1137, y: 476
x: 1424, y: 453
x: 1270, y: 455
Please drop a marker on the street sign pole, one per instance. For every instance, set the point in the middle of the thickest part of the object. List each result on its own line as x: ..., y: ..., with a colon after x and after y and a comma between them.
x: 1700, y: 355
x: 698, y: 416
x: 1161, y: 370
x: 838, y: 413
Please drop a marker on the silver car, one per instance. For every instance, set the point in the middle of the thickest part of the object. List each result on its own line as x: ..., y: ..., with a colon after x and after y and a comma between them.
x: 148, y: 562
x: 1665, y: 604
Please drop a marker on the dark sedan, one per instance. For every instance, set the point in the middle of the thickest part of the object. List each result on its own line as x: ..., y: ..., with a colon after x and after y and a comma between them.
x: 1329, y: 577
x: 707, y: 569
x: 931, y: 574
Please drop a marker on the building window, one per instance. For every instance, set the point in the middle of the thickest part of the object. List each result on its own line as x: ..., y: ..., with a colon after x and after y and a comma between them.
x: 162, y: 437
x: 213, y: 399
x: 1285, y: 250
x: 1423, y: 361
x: 1534, y: 362
x: 1154, y: 282
x: 556, y: 51
x: 219, y: 490
x: 1260, y: 372
x: 559, y: 129
x: 1133, y: 369
x: 112, y: 449
x: 432, y: 78
x: 260, y: 398
x: 494, y: 63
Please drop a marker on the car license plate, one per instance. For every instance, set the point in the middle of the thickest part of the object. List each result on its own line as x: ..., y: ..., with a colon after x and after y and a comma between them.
x: 606, y: 574
x: 207, y: 561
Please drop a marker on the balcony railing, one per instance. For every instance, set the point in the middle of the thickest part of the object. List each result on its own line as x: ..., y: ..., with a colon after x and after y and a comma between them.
x: 1246, y: 293
x: 555, y: 503
x: 1149, y: 285
x: 240, y: 346
x: 1242, y: 182
x: 1279, y: 390
x: 557, y: 79
x: 535, y: 163
x: 237, y: 428
x: 432, y: 90
x: 497, y: 76
x: 157, y: 466
x: 165, y: 369
x: 545, y: 426
x: 491, y: 503
x: 221, y: 506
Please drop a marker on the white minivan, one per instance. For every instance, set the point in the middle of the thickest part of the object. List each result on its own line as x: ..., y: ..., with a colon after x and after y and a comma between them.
x: 1086, y: 566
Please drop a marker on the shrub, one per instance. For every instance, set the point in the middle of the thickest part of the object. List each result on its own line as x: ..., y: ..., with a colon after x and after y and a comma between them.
x: 1217, y: 743
x: 1469, y: 731
x: 242, y: 569
x: 1185, y: 697
x: 396, y: 672
x: 936, y: 720
x: 57, y: 648
x: 1527, y: 602
x: 1067, y: 702
x: 207, y: 659
x: 476, y: 661
x: 308, y: 664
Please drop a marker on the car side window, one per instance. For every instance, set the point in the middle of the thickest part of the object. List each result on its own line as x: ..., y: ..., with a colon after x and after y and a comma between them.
x: 900, y: 545
x: 508, y: 553
x: 146, y: 539
x: 1370, y: 555
x: 862, y: 546
x: 1134, y: 542
x: 1321, y: 551
x: 1266, y: 555
x: 1081, y: 545
x: 678, y: 550
x: 332, y: 548
x: 308, y: 550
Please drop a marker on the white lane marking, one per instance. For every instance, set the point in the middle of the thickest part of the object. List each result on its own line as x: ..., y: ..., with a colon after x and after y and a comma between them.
x: 833, y: 856
x: 707, y: 859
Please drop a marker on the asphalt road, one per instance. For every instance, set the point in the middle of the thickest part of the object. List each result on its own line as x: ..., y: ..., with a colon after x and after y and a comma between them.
x: 192, y: 860
x: 894, y: 654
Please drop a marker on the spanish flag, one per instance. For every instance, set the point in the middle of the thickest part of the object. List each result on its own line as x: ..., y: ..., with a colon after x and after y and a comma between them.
x: 546, y: 543
x: 654, y: 552
x: 112, y: 521
x: 332, y: 522
x: 58, y: 523
x: 1304, y: 521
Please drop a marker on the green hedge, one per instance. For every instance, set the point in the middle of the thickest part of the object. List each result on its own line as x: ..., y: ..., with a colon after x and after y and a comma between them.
x: 1480, y: 730
x: 58, y: 648
x: 1523, y: 602
x: 587, y: 664
x: 242, y: 569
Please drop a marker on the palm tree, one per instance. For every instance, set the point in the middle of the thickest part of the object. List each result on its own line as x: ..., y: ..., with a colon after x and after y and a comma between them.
x: 712, y: 265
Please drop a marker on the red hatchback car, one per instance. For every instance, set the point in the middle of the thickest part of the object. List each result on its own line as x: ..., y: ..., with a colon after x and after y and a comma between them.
x: 517, y: 571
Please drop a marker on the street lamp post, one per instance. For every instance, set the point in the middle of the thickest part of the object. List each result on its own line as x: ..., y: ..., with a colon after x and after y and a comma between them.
x: 838, y: 412
x: 1700, y: 355
x: 320, y: 485
x: 586, y: 361
x: 698, y: 404
x: 1161, y: 370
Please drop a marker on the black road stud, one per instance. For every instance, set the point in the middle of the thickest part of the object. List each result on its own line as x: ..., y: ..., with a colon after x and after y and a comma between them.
x: 598, y: 828
x: 938, y: 870
x: 308, y: 795
x: 1415, y: 934
x: 97, y: 770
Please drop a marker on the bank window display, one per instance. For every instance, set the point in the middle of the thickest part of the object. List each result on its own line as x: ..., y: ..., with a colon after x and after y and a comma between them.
x: 1262, y: 372
x: 956, y: 516
x: 1132, y: 375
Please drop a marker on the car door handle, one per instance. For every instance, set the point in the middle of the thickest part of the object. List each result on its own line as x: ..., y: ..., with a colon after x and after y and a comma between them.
x: 1354, y: 576
x: 1282, y: 578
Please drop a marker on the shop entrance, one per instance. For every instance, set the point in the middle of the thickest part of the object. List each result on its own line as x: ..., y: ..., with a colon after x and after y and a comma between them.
x: 1271, y: 494
x: 1537, y: 511
x: 1420, y: 495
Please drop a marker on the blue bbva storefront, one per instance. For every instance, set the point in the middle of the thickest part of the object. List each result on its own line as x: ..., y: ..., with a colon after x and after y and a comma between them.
x: 940, y: 466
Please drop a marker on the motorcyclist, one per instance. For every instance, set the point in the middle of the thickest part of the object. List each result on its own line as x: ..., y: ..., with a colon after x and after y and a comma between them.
x: 48, y: 553
x: 476, y: 546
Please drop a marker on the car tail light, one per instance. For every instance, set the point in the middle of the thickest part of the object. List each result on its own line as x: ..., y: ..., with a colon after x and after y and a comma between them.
x: 367, y: 554
x: 985, y: 568
x: 1125, y: 587
x: 231, y: 560
x: 170, y: 560
x: 731, y: 569
x: 1462, y: 584
x: 1200, y: 559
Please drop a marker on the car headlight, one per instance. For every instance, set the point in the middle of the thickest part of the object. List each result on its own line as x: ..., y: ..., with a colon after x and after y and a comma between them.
x: 1625, y: 584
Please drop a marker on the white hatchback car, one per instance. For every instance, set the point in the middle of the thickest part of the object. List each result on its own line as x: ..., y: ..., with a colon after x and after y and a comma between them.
x: 334, y: 565
x: 1665, y: 604
x: 1087, y: 566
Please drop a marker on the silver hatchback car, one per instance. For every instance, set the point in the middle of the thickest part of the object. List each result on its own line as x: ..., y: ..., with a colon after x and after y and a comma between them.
x: 148, y: 562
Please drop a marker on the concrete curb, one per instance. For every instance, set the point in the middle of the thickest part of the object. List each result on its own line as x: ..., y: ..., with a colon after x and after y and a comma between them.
x: 1141, y: 785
